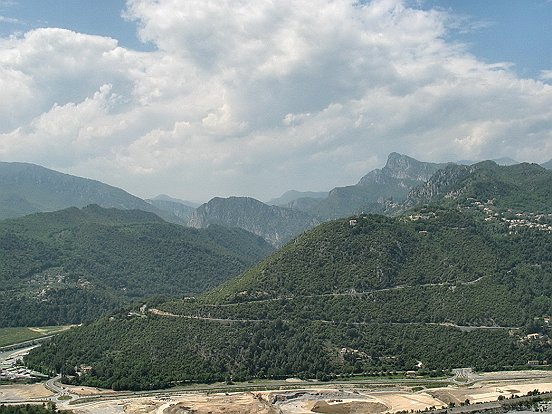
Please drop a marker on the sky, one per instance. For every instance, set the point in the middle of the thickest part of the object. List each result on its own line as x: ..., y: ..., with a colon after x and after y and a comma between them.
x: 204, y: 98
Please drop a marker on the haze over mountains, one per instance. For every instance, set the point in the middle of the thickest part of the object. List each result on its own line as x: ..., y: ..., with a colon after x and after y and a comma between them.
x: 377, y: 188
x: 504, y: 161
x: 180, y: 208
x: 276, y: 224
x: 27, y: 188
x: 292, y: 195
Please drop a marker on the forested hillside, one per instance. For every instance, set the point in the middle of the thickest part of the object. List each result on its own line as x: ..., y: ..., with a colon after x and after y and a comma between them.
x: 74, y: 265
x: 436, y: 289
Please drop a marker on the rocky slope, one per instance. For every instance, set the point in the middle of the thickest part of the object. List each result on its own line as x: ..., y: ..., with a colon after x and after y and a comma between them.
x: 521, y: 187
x: 275, y: 224
x: 376, y: 189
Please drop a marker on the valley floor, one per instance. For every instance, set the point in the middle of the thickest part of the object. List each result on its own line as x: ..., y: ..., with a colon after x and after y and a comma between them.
x: 292, y: 396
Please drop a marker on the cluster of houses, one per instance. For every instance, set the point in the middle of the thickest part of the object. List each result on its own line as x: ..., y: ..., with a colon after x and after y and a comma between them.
x: 421, y: 216
x: 514, y: 220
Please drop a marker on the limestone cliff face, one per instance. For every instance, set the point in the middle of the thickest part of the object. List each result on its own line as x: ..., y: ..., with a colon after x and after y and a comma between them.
x: 373, y: 192
x: 401, y: 167
x: 438, y: 184
x: 276, y: 225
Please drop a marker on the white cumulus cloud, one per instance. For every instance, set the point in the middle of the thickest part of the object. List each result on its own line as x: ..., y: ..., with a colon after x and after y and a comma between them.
x: 255, y: 97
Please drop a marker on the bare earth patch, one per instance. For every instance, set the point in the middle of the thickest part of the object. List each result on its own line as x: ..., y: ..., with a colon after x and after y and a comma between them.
x: 336, y: 399
x: 405, y: 401
x: 23, y: 392
x: 239, y: 403
x: 242, y: 403
x: 352, y: 402
x: 353, y: 407
x: 490, y: 390
x: 88, y: 391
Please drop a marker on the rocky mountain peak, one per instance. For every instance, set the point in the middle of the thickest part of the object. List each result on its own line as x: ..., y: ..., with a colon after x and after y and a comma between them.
x: 404, y: 167
x: 401, y: 167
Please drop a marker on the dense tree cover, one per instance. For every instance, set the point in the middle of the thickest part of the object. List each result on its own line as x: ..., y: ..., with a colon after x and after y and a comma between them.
x: 467, y: 305
x: 376, y: 252
x: 73, y: 265
x: 153, y: 352
x: 367, y: 296
x: 445, y: 268
x: 522, y: 187
x: 50, y: 408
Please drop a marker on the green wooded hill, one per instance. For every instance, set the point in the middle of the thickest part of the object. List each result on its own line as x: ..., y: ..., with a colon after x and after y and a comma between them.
x: 73, y: 265
x: 436, y: 289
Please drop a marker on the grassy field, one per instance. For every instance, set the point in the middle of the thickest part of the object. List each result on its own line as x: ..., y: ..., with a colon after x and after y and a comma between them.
x: 10, y: 336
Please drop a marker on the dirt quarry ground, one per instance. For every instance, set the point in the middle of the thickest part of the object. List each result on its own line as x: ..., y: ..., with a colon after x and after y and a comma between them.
x: 23, y: 392
x: 490, y: 390
x: 356, y: 401
x: 239, y: 403
x: 366, y: 398
x: 88, y: 391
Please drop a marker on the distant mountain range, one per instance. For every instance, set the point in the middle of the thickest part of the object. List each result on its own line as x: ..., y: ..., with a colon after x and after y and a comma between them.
x: 275, y: 224
x: 376, y: 189
x: 29, y: 188
x: 278, y: 224
x: 547, y: 165
x: 179, y: 208
x: 504, y: 161
x: 73, y: 265
x: 463, y: 278
x: 164, y: 197
x: 290, y: 196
